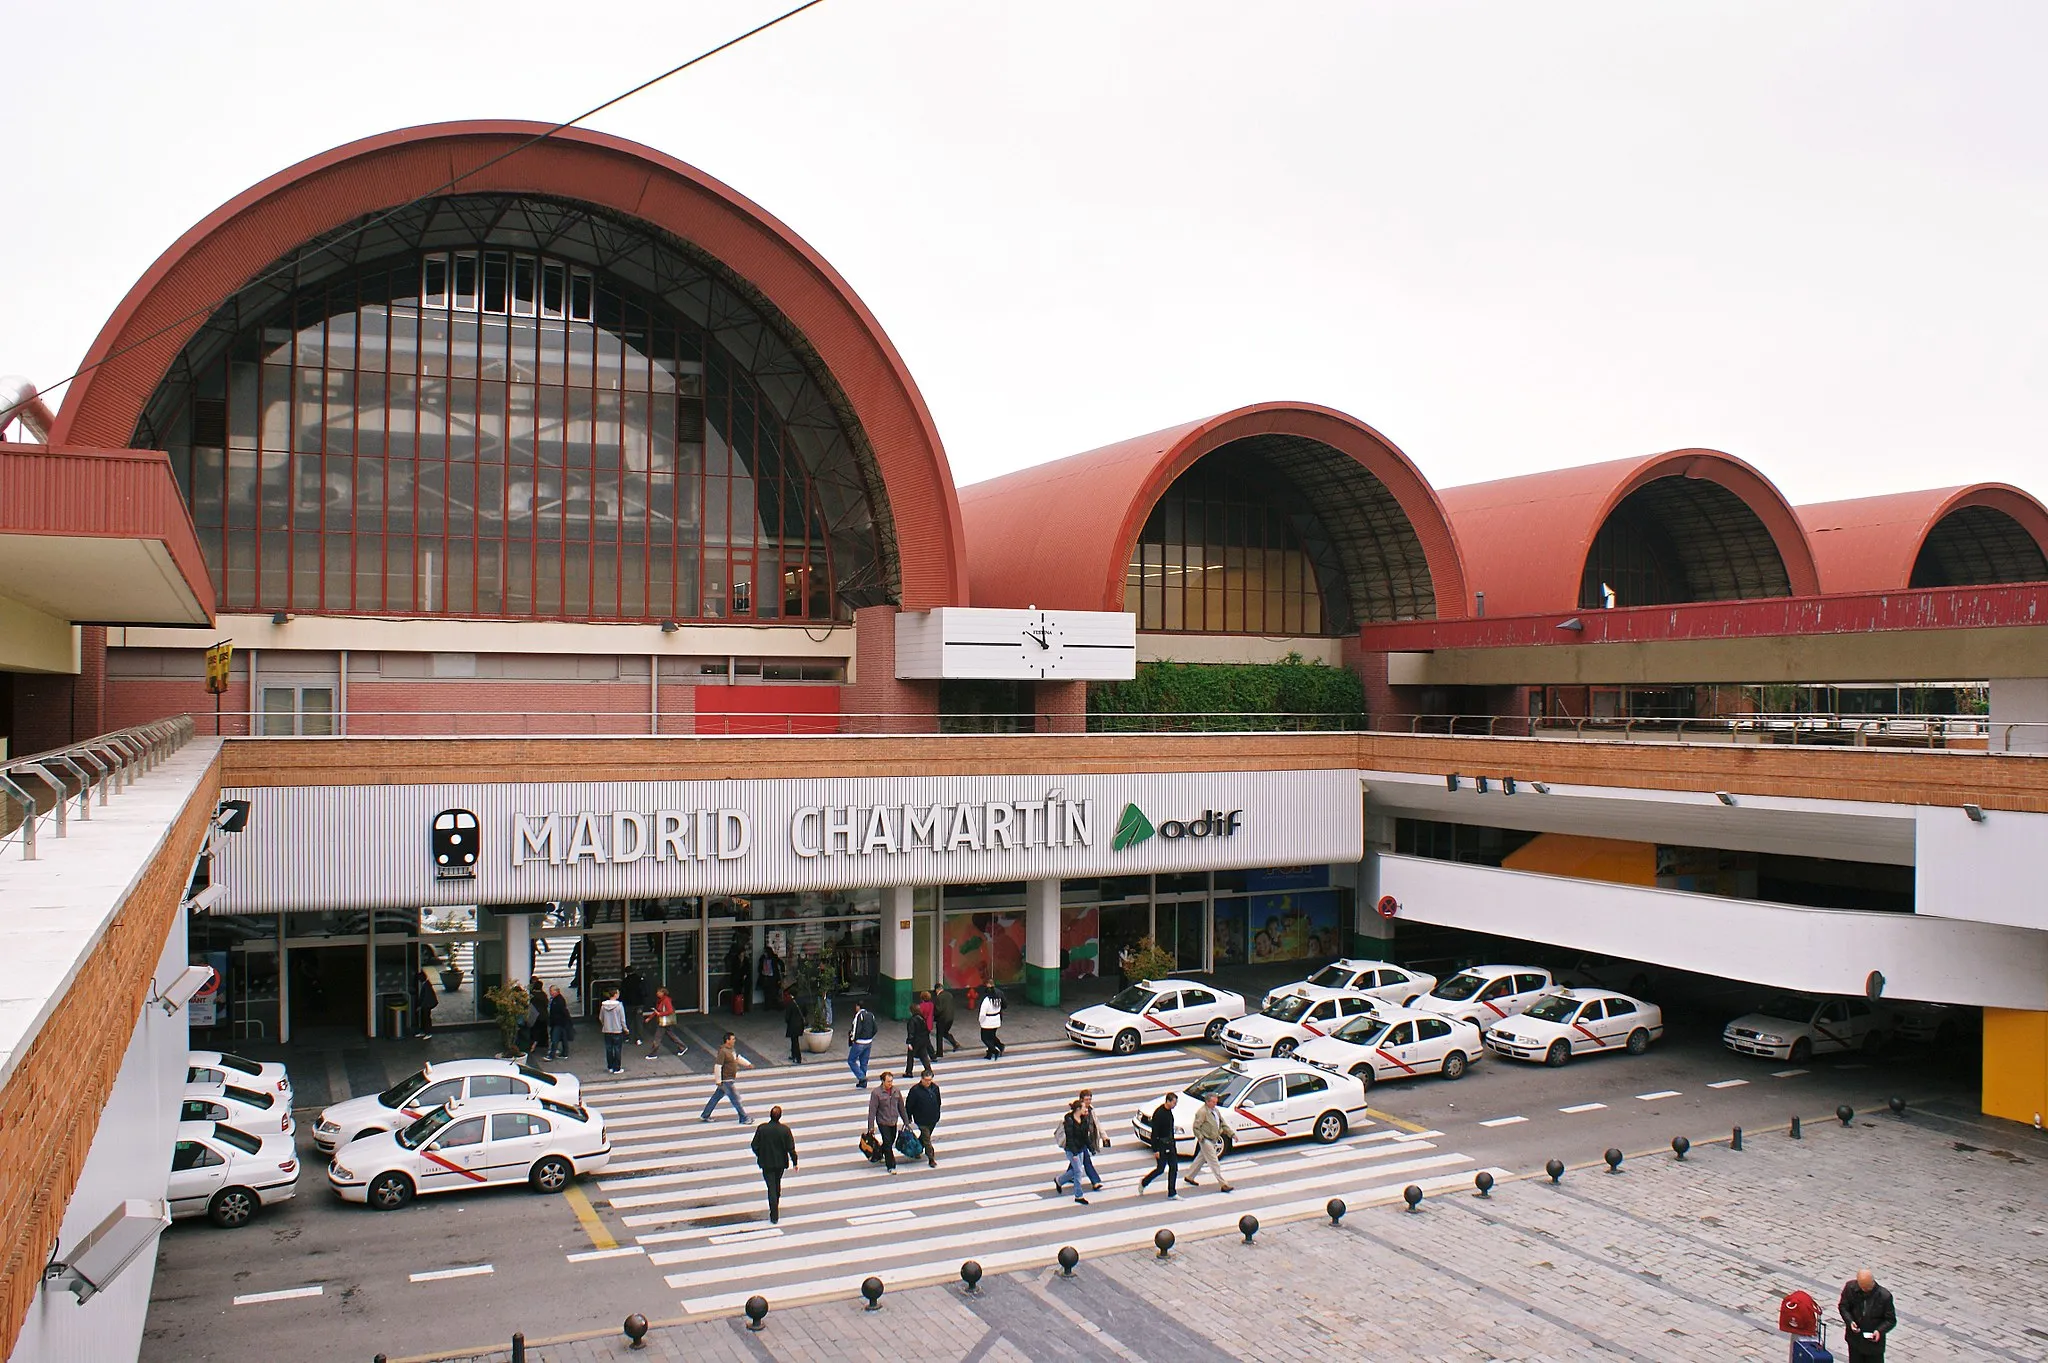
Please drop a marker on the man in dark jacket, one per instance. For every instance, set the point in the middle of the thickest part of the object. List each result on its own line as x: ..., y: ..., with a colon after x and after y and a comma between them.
x: 774, y: 1151
x: 917, y: 1041
x: 921, y: 1106
x: 793, y: 1027
x: 942, y: 1019
x: 860, y: 1042
x: 1165, y: 1148
x: 633, y: 993
x: 1867, y: 1317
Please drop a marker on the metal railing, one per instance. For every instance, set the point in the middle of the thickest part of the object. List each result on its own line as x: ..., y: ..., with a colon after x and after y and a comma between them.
x: 45, y: 791
x: 1965, y: 732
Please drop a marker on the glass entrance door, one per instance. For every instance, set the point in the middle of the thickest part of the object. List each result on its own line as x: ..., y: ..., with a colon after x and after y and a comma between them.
x: 669, y: 959
x: 1181, y: 927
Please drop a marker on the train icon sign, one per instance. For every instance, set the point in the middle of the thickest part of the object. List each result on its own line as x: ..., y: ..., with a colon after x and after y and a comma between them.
x: 454, y: 845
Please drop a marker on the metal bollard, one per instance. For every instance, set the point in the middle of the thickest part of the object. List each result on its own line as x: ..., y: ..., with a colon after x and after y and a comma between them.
x: 636, y: 1330
x: 1735, y: 1141
x: 1795, y: 1130
x: 1679, y: 1145
x: 757, y: 1311
x: 1247, y: 1226
x: 871, y: 1288
x: 1483, y: 1181
x: 1068, y: 1257
x: 970, y: 1273
x: 518, y: 1347
x: 1898, y: 1107
x: 1845, y: 1114
x: 1412, y: 1195
x: 1335, y: 1208
x: 1555, y: 1168
x: 1613, y: 1158
x: 1164, y: 1241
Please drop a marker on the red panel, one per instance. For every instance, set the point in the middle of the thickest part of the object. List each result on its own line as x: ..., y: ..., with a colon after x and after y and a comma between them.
x: 1869, y: 544
x: 768, y: 709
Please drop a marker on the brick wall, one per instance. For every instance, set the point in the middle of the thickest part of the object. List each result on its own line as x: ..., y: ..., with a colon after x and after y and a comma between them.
x: 485, y: 705
x: 50, y: 1108
x: 1380, y: 698
x: 50, y: 712
x: 909, y: 706
x: 1062, y: 707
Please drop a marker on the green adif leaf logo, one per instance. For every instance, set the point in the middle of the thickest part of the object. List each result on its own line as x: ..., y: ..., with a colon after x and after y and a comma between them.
x: 1132, y: 828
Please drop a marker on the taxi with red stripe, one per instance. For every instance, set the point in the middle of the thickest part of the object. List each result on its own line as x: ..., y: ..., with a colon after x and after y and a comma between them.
x: 1569, y: 1022
x: 1797, y: 1027
x: 1265, y: 1100
x: 1396, y: 1043
x: 473, y: 1143
x: 1171, y: 1008
x: 1486, y: 994
x: 1287, y: 1020
x: 435, y: 1083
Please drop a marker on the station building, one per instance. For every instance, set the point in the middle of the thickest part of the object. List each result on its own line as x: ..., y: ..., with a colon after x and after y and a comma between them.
x: 552, y: 493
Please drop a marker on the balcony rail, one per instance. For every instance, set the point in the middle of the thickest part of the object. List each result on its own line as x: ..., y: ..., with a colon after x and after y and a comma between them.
x: 41, y: 794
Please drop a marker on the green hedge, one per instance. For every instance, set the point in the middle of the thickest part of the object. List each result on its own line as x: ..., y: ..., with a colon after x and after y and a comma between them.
x: 1330, y: 697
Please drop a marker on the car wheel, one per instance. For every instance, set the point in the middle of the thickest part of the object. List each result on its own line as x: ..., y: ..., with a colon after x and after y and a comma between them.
x: 1284, y: 1048
x: 551, y: 1175
x: 1558, y: 1054
x: 232, y: 1207
x: 1454, y: 1065
x: 1638, y: 1041
x: 1802, y: 1051
x: 1126, y: 1042
x: 1330, y: 1127
x: 1363, y: 1074
x: 389, y: 1192
x: 1214, y: 1031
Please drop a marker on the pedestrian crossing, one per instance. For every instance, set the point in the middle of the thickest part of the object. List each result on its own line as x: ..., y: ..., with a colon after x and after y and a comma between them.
x: 689, y: 1196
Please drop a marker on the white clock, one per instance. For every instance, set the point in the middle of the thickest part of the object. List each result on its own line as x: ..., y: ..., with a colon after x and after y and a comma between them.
x: 1016, y: 645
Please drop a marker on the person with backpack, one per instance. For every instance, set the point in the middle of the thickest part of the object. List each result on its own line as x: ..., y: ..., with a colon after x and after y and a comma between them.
x: 991, y: 1018
x: 922, y: 1105
x: 1073, y: 1142
x: 917, y: 1030
x: 860, y: 1043
x: 885, y: 1114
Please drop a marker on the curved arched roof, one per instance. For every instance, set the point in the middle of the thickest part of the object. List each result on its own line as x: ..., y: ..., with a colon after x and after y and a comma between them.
x: 824, y: 317
x: 1729, y: 532
x: 1060, y: 535
x: 1975, y: 535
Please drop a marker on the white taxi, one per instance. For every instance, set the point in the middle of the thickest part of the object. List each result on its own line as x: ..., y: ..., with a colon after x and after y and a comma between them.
x: 1395, y: 1043
x: 438, y: 1082
x: 473, y: 1143
x: 260, y: 1111
x: 1797, y: 1027
x: 1569, y: 1022
x: 1383, y: 980
x: 1265, y: 1100
x: 227, y: 1174
x: 1484, y: 994
x: 1152, y: 1011
x: 222, y: 1067
x: 1287, y: 1020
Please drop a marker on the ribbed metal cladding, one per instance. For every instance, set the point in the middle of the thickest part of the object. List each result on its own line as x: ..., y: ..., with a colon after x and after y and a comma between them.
x: 352, y: 847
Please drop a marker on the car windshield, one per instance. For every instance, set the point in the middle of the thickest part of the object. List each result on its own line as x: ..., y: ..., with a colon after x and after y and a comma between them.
x: 1226, y: 1084
x: 1553, y: 1008
x: 538, y: 1076
x: 1136, y: 999
x: 1788, y: 1008
x: 1462, y: 985
x: 414, y: 1136
x: 1286, y: 1008
x: 403, y: 1089
x: 236, y: 1137
x: 250, y: 1096
x: 1331, y: 977
x: 1363, y: 1030
x: 235, y: 1062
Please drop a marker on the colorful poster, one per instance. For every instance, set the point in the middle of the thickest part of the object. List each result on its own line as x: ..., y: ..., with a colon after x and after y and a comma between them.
x: 1080, y: 943
x: 1287, y: 878
x: 1294, y: 927
x: 984, y: 946
x: 1229, y: 938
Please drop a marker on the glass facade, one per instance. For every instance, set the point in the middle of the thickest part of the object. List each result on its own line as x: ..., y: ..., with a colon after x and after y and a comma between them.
x: 516, y: 409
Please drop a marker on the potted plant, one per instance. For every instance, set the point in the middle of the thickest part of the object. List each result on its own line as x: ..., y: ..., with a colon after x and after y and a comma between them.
x: 1149, y: 961
x: 509, y: 1001
x: 814, y: 979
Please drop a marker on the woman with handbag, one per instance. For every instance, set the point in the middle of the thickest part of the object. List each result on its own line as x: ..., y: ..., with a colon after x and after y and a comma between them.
x: 663, y: 1016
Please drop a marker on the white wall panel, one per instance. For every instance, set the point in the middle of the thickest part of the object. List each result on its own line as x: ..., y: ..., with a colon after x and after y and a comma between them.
x: 1990, y: 872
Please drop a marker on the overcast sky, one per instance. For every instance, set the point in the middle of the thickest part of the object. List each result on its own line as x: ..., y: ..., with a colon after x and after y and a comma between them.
x: 1511, y: 236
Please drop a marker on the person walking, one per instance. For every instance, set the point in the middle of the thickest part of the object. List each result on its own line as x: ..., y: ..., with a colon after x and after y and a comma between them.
x: 1165, y: 1148
x: 860, y: 1043
x: 771, y: 975
x: 537, y: 995
x: 727, y: 1065
x: 611, y: 1025
x: 917, y: 1044
x: 633, y: 994
x: 424, y: 1002
x: 990, y: 1016
x: 921, y: 1106
x: 663, y: 1016
x: 943, y: 1017
x: 775, y: 1151
x: 1210, y: 1135
x: 1074, y: 1144
x: 561, y: 1030
x: 1096, y: 1140
x: 793, y: 1027
x: 1868, y: 1317
x: 885, y: 1115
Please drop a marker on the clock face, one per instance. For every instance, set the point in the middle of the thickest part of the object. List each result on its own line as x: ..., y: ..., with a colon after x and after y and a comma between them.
x: 1044, y: 653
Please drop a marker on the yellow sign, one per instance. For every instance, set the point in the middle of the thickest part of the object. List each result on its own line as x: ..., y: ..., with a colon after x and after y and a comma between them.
x: 218, y: 659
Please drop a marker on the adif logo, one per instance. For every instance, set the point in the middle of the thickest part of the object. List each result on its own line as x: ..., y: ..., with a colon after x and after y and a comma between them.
x: 454, y: 845
x: 1132, y: 827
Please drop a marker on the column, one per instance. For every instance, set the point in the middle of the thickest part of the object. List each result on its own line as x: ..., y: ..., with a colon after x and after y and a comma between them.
x: 1062, y: 706
x: 898, y: 952
x: 1370, y: 932
x: 2015, y: 1064
x: 516, y: 935
x: 1042, y: 943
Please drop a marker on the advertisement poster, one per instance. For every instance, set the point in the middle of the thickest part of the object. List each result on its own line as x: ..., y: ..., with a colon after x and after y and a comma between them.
x: 1080, y: 943
x: 1229, y: 938
x: 206, y: 1007
x: 1293, y: 927
x: 984, y: 946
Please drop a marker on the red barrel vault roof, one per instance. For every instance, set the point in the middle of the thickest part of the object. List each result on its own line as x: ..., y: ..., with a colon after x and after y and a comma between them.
x: 1525, y: 539
x: 1871, y: 544
x: 1060, y: 535
x: 262, y: 225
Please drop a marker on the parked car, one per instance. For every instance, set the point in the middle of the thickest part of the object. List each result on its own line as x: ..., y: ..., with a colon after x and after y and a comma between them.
x: 430, y: 1086
x: 1484, y: 994
x: 1152, y: 1011
x: 1797, y: 1027
x: 1395, y: 1043
x: 1606, y: 972
x: 473, y: 1143
x: 223, y: 1067
x: 1396, y: 984
x: 1266, y: 1100
x: 1287, y: 1020
x: 1569, y: 1022
x: 227, y: 1174
x: 259, y: 1111
x: 1940, y: 1024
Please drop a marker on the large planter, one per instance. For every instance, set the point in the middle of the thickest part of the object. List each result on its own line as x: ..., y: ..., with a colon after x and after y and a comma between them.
x: 817, y: 1043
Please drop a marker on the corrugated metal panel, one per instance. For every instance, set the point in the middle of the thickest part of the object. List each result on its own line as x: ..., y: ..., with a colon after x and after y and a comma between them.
x: 104, y: 494
x: 345, y: 847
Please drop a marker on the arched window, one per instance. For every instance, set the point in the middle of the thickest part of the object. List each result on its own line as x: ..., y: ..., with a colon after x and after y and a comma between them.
x: 513, y: 407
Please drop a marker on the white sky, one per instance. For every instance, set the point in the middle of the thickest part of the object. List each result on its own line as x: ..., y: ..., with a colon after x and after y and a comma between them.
x: 1511, y: 236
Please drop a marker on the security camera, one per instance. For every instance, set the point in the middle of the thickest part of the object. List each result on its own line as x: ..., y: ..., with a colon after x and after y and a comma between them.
x: 232, y: 816
x: 183, y: 989
x: 207, y: 900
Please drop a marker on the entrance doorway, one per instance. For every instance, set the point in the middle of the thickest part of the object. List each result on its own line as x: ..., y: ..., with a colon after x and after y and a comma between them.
x: 327, y: 987
x: 1182, y: 927
x: 1122, y: 925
